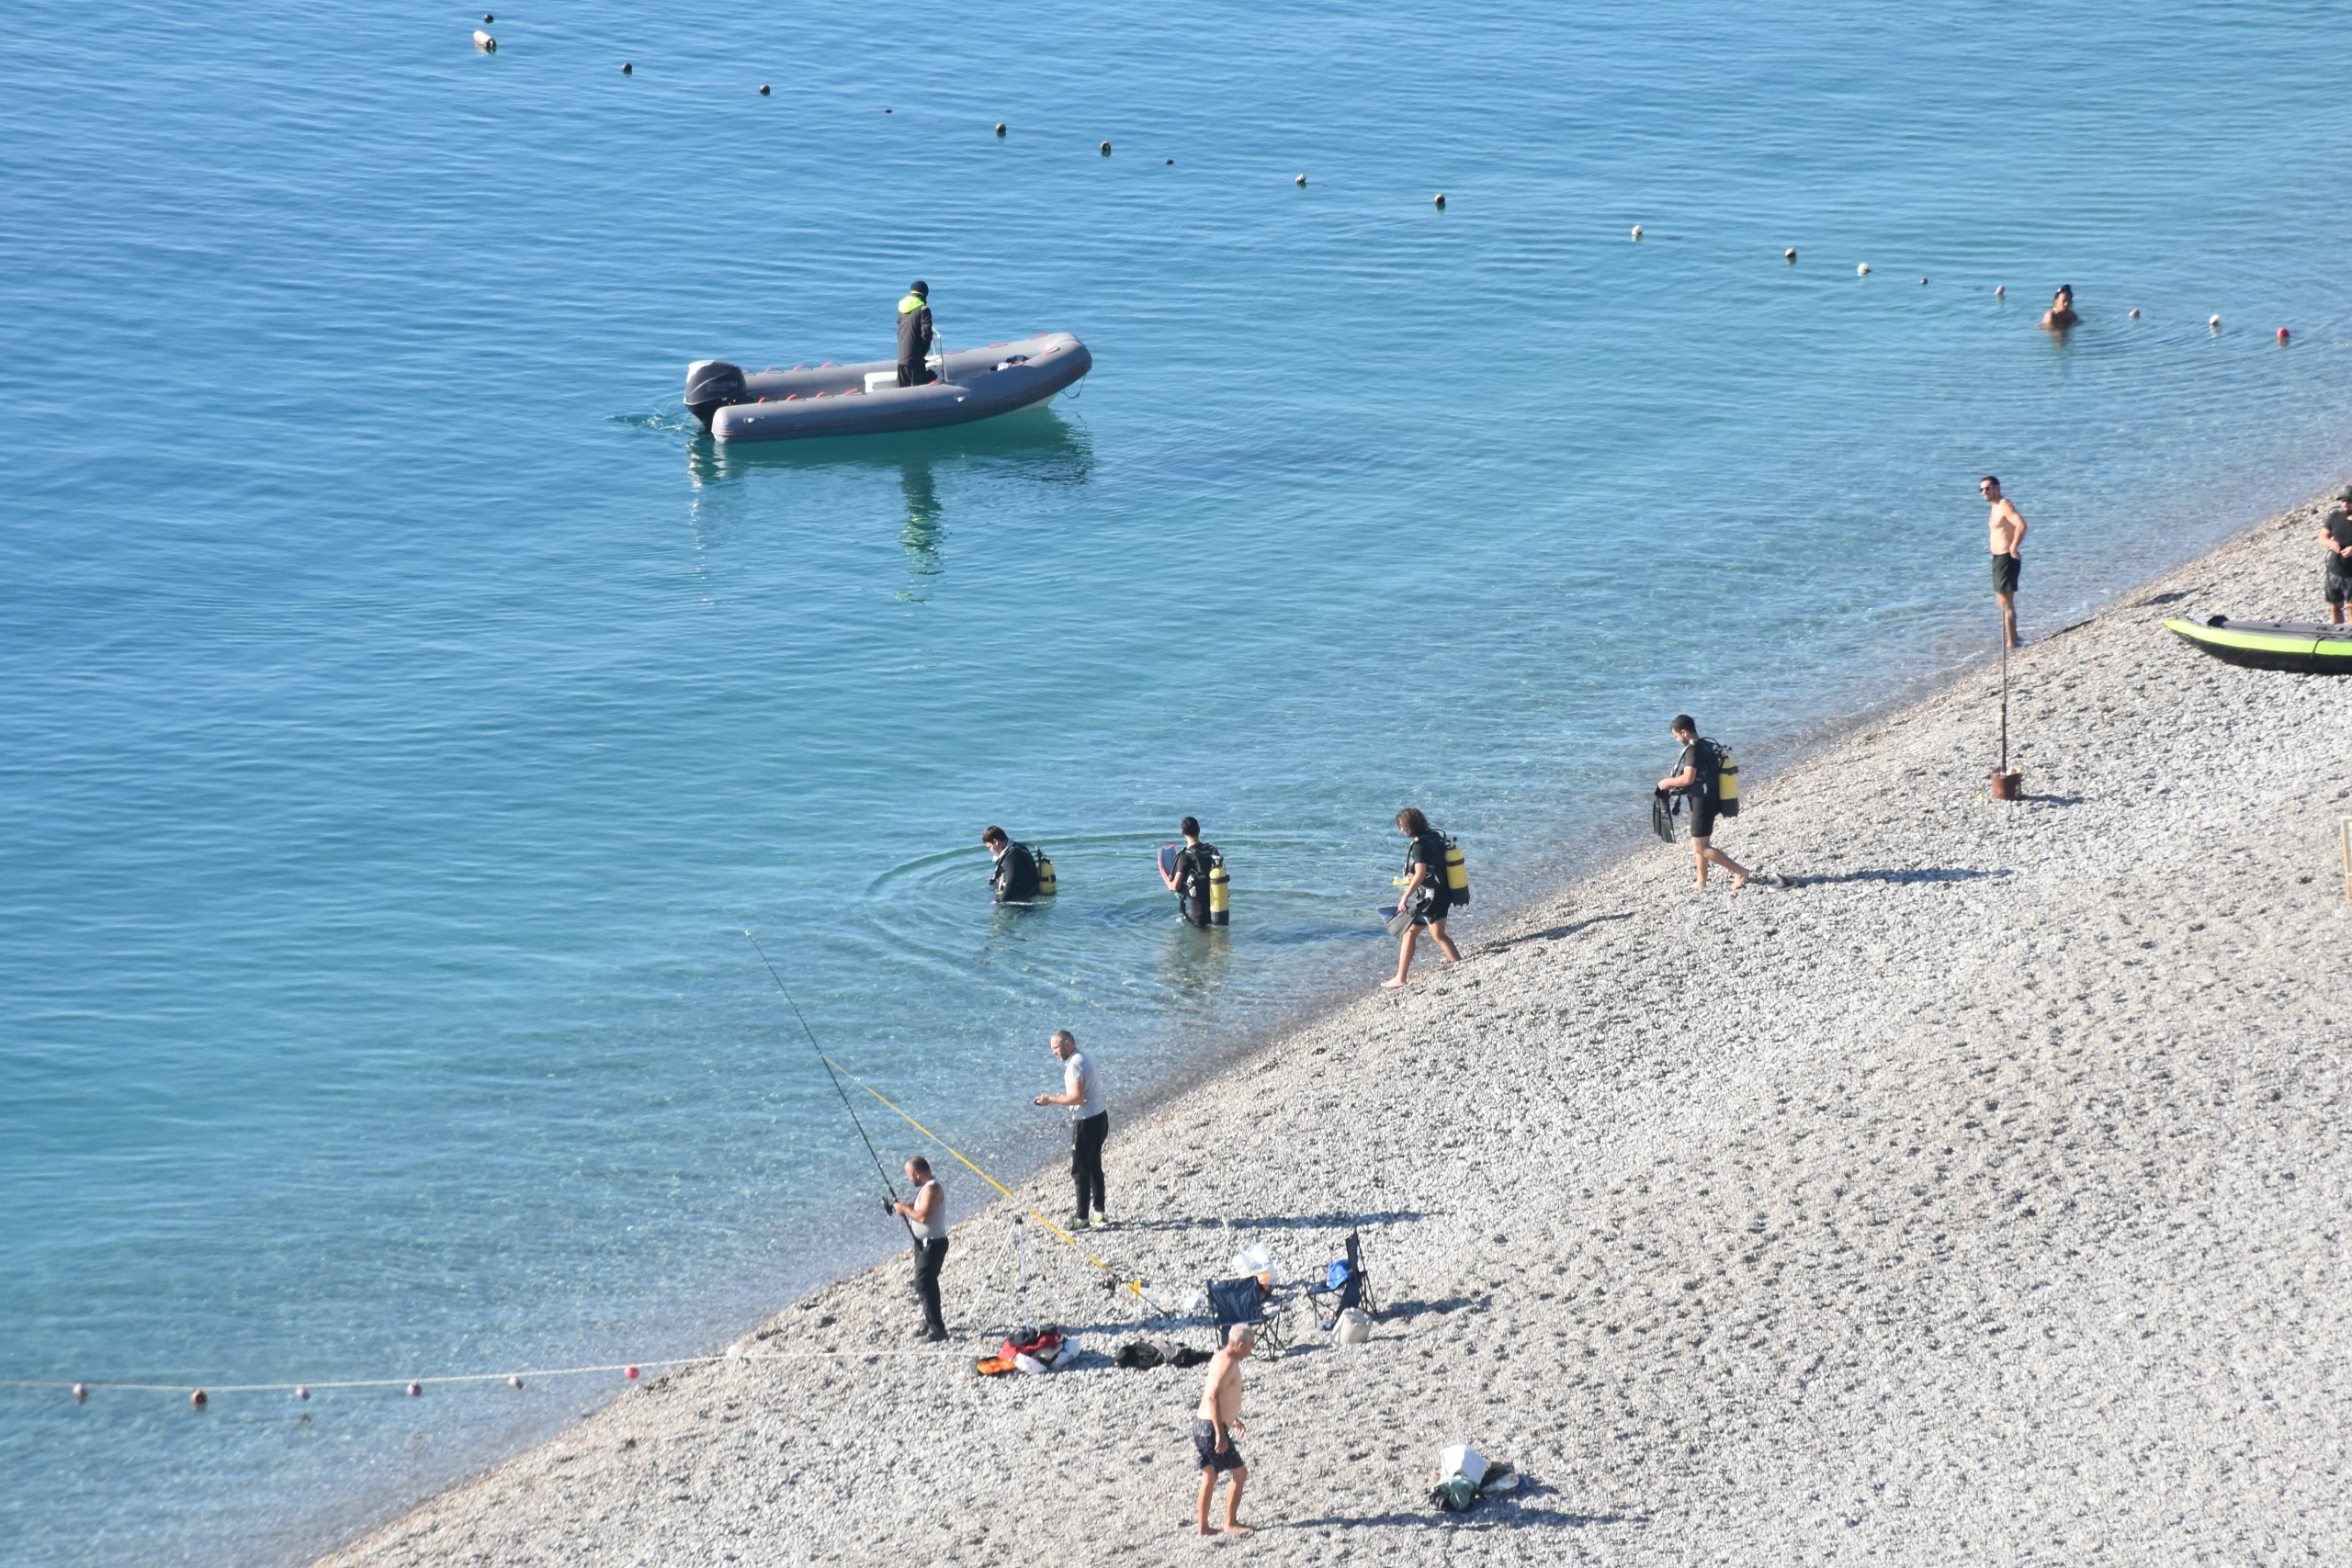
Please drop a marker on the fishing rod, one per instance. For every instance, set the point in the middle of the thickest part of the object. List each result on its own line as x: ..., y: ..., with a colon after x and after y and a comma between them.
x: 1132, y: 1286
x: 879, y: 1170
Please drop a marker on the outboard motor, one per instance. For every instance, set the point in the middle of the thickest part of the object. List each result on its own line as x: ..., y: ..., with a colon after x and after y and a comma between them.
x: 712, y: 384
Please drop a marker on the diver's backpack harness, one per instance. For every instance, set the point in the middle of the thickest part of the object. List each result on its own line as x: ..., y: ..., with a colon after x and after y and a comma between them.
x: 1203, y: 890
x: 1726, y: 777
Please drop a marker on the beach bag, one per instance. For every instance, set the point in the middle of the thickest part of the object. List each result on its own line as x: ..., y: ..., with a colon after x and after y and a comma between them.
x: 1138, y: 1354
x: 1044, y: 1348
x: 993, y: 1366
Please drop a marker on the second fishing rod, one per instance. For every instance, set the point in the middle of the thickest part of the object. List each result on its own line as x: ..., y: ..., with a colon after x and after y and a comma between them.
x: 1117, y: 1279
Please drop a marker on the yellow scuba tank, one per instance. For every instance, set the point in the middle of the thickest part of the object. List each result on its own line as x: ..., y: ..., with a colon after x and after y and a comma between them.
x: 1457, y: 875
x: 1726, y: 782
x: 1220, y: 893
x: 1045, y: 875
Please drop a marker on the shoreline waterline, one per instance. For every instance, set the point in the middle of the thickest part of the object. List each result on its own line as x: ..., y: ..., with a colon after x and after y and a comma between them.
x: 1220, y: 1074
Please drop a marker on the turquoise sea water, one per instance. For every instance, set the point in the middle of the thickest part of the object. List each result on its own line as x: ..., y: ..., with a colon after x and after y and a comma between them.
x: 405, y: 710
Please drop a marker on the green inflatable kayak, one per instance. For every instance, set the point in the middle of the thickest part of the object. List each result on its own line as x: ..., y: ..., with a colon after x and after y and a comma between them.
x: 2304, y: 648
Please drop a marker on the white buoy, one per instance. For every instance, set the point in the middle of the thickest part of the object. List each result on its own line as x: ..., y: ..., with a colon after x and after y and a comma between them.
x: 1790, y: 254
x: 2135, y: 315
x: 1300, y: 182
x: 484, y: 42
x: 2000, y: 291
x: 2214, y: 322
x: 1864, y: 270
x: 1637, y: 232
x: 1441, y: 201
x: 514, y: 1381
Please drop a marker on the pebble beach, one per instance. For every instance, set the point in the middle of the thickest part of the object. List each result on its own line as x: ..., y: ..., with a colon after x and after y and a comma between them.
x: 1975, y: 1196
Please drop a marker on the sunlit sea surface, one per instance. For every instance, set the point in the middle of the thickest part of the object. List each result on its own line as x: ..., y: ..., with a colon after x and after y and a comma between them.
x: 404, y: 711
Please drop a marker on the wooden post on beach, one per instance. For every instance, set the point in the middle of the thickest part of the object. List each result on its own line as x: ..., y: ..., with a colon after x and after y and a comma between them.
x: 2004, y: 783
x: 1021, y: 1236
x: 2347, y: 862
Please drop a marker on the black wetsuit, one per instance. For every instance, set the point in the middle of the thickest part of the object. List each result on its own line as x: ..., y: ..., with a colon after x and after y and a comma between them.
x: 1016, y: 875
x: 2339, y: 569
x: 1429, y: 849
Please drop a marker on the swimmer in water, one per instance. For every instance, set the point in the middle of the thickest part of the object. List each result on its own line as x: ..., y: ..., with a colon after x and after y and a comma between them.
x: 2060, y: 314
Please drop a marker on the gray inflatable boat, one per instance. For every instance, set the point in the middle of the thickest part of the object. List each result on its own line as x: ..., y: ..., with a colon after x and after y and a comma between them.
x: 866, y: 399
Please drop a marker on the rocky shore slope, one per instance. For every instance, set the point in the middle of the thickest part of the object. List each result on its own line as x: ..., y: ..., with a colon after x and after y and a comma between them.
x: 1979, y: 1197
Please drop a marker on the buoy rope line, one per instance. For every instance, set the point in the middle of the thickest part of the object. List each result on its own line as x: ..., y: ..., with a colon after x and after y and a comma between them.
x: 629, y: 1369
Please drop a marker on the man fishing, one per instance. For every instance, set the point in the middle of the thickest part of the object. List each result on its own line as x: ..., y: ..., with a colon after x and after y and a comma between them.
x: 914, y: 334
x: 1090, y: 1123
x: 926, y: 1218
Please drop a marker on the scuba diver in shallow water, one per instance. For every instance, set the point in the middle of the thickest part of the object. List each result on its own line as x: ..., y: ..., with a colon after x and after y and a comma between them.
x: 1015, y: 878
x: 914, y: 334
x: 1195, y: 874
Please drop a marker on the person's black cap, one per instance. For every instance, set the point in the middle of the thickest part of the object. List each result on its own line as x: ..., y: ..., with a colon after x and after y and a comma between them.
x: 920, y: 287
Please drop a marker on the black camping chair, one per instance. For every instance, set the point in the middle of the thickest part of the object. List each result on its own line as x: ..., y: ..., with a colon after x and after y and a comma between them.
x: 1346, y: 1284
x: 1234, y: 1301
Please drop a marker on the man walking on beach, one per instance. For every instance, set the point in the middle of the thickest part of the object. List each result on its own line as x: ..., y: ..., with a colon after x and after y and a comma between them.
x: 2335, y: 538
x: 1216, y: 1423
x: 1090, y: 1123
x: 2008, y: 533
x: 1696, y: 777
x: 927, y: 1218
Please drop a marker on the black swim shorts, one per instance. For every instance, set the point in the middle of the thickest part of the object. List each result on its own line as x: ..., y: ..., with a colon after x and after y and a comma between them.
x: 1204, y: 1444
x: 2339, y: 589
x: 1704, y: 811
x: 2004, y: 574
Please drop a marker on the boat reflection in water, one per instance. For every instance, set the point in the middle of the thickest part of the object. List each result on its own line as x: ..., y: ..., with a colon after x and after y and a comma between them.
x: 1036, y: 445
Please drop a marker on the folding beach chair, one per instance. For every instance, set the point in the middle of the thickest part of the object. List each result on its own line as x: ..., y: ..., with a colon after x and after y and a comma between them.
x: 1346, y: 1284
x: 1233, y: 1302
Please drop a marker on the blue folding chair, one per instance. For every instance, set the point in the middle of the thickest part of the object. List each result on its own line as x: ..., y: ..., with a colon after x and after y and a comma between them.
x: 1234, y: 1301
x: 1345, y: 1284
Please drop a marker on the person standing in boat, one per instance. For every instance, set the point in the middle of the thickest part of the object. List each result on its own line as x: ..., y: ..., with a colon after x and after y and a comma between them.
x: 914, y: 334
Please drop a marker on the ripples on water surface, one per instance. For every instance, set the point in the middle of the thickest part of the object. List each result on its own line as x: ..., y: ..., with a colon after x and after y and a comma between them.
x: 405, y: 712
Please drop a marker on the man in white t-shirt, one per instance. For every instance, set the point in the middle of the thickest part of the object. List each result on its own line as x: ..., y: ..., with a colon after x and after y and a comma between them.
x: 1090, y: 1123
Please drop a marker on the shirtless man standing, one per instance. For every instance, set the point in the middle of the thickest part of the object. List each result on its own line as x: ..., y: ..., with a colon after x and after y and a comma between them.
x: 1215, y: 1424
x: 2008, y: 533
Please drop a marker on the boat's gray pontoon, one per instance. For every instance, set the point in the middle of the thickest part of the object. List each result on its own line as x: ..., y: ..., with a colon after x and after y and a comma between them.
x: 866, y: 399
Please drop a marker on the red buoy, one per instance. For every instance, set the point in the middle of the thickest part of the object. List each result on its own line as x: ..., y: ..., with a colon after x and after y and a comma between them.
x: 2282, y: 335
x: 197, y: 1399
x: 630, y: 1374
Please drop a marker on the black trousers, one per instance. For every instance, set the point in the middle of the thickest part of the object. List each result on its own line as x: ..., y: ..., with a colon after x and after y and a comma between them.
x: 1086, y: 1159
x: 913, y: 374
x: 929, y: 1256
